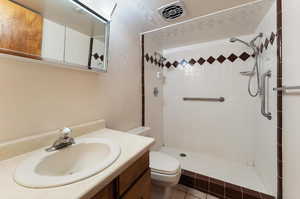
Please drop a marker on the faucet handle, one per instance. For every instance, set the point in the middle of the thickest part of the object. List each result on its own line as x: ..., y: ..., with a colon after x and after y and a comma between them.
x: 65, y: 132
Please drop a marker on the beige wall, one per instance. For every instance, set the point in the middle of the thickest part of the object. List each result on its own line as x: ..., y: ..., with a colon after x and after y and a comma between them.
x: 37, y: 98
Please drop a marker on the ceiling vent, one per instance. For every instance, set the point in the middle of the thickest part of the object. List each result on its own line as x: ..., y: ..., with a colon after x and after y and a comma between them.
x: 173, y: 11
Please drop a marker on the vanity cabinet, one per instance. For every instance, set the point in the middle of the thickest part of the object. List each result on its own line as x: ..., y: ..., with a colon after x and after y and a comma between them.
x: 133, y: 183
x: 141, y: 189
x: 106, y: 193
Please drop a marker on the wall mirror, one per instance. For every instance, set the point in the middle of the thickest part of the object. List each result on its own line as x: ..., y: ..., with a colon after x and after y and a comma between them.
x: 62, y: 32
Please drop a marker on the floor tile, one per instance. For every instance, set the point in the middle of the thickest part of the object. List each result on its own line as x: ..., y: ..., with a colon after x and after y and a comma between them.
x: 196, y: 193
x: 211, y: 197
x: 178, y: 194
x: 189, y: 196
x: 182, y: 188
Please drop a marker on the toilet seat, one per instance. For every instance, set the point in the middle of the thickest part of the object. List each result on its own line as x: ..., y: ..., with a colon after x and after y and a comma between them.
x: 163, y: 179
x: 164, y: 164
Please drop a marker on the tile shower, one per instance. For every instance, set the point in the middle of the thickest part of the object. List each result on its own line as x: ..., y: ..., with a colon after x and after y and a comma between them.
x: 229, y: 142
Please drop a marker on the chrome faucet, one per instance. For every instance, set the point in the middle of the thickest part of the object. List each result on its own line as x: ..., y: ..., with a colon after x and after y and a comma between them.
x: 63, y: 141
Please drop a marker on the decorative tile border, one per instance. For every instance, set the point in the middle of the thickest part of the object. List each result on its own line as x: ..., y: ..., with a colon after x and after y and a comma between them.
x: 219, y: 188
x: 97, y: 56
x: 244, y: 56
x: 221, y: 59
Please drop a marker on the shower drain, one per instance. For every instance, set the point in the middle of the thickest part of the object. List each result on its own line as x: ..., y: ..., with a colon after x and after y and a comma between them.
x: 183, y: 155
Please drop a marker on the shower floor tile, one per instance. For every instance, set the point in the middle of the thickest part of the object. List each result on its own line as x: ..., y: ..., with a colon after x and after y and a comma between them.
x: 231, y: 172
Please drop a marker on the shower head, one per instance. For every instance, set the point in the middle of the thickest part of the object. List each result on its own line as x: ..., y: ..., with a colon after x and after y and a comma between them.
x: 234, y: 39
x: 251, y: 44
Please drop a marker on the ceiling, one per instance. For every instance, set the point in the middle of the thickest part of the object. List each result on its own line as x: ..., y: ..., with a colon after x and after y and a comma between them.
x: 242, y: 20
x: 195, y: 8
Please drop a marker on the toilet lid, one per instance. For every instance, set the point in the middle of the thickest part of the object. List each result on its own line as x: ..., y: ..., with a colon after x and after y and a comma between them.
x: 163, y: 163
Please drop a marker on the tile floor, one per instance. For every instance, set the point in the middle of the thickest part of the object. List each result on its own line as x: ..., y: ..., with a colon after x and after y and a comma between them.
x: 183, y: 192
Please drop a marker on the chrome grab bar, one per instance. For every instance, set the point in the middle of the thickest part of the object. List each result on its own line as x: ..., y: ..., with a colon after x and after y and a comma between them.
x: 285, y: 88
x: 221, y: 99
x: 264, y: 93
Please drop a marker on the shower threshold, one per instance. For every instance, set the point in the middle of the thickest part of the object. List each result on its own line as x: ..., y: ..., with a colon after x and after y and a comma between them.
x: 221, y: 169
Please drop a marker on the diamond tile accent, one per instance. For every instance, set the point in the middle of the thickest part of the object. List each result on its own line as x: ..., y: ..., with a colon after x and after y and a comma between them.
x: 96, y: 56
x: 267, y: 43
x: 201, y: 61
x: 168, y: 64
x: 244, y: 56
x: 272, y: 38
x: 211, y: 60
x: 147, y: 57
x: 232, y: 57
x: 221, y: 59
x: 102, y: 57
x: 151, y: 59
x: 192, y: 62
x: 175, y: 64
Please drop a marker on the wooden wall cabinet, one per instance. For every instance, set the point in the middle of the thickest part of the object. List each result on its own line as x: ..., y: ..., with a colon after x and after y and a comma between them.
x: 133, y: 183
x: 21, y: 30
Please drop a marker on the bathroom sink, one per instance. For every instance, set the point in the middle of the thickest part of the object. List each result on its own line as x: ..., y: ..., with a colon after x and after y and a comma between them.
x: 87, y: 157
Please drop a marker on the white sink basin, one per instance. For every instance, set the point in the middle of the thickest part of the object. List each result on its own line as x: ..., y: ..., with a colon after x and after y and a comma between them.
x: 84, y: 159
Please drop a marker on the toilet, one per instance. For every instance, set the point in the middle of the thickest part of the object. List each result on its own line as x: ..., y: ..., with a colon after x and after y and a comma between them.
x: 165, y: 170
x: 165, y: 173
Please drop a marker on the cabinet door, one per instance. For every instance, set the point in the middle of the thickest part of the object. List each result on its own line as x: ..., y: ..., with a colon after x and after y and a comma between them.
x: 20, y: 30
x: 106, y: 193
x: 142, y: 189
x: 131, y: 174
x: 53, y: 46
x: 77, y: 47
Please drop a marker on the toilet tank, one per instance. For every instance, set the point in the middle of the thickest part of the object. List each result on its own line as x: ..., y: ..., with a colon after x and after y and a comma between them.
x: 142, y: 131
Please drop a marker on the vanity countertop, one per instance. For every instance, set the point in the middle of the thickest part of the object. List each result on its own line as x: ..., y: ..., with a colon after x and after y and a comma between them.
x: 132, y: 147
